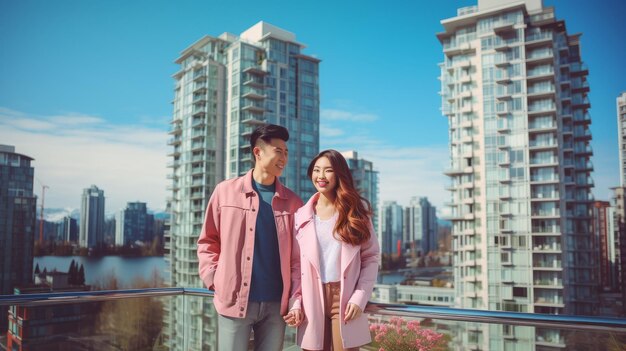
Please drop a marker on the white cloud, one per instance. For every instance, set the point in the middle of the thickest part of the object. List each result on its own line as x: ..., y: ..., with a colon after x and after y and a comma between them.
x: 403, y: 172
x: 76, y: 119
x: 410, y: 171
x: 127, y: 162
x: 330, y: 132
x: 341, y: 115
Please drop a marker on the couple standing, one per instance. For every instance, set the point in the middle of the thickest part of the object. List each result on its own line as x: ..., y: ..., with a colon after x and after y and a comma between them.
x: 273, y: 261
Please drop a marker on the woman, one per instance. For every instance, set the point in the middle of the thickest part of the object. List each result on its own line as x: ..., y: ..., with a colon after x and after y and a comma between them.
x: 334, y: 261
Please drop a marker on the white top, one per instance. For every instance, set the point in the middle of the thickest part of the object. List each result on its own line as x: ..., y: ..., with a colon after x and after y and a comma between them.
x: 329, y: 248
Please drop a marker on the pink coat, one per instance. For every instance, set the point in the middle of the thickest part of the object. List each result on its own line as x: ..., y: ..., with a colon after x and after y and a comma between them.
x: 359, y: 270
x: 226, y: 243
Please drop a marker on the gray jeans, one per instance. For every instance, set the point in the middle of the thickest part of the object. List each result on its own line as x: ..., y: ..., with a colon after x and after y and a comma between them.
x: 264, y: 318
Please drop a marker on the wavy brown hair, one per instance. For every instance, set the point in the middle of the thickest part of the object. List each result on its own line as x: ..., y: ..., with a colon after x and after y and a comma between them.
x: 354, y: 211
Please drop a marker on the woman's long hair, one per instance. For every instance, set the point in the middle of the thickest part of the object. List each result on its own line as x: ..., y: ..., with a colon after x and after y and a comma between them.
x: 354, y: 211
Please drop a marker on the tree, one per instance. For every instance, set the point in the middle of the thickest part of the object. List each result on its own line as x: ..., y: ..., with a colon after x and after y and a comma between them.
x: 80, y: 279
x: 37, y: 271
x: 72, y: 272
x: 133, y: 324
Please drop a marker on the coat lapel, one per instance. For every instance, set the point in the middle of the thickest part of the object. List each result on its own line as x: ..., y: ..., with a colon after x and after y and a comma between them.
x: 305, y: 229
x: 348, y: 252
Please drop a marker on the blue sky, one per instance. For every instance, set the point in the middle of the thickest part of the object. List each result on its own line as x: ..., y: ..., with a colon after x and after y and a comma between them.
x: 86, y: 86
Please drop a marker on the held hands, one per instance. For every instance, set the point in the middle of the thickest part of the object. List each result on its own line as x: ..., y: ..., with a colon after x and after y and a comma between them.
x: 353, y: 311
x: 294, y: 317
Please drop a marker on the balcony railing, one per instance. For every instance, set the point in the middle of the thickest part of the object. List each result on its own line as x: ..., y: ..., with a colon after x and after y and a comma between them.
x: 147, y: 319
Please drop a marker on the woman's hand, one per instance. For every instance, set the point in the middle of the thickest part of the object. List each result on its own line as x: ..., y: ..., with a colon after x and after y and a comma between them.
x: 353, y: 311
x: 294, y: 317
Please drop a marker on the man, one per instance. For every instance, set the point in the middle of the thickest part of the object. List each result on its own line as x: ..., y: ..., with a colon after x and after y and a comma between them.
x: 244, y: 249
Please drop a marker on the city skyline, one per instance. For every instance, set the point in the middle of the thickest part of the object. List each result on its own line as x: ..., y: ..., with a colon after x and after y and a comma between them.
x: 108, y: 95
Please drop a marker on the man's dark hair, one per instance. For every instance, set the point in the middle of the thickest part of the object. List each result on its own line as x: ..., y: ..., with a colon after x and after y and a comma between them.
x: 268, y: 132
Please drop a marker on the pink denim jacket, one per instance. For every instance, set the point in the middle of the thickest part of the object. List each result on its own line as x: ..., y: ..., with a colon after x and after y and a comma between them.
x: 226, y: 243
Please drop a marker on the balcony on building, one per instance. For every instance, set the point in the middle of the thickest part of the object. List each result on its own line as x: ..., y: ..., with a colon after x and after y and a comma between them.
x: 537, y: 142
x: 503, y: 44
x: 198, y: 110
x: 538, y: 39
x: 253, y: 93
x: 454, y: 63
x: 200, y: 75
x: 542, y: 55
x: 583, y: 149
x: 174, y: 141
x: 246, y: 131
x: 456, y: 171
x: 452, y: 48
x: 578, y: 69
x: 542, y: 107
x: 541, y: 90
x: 176, y: 127
x: 503, y: 28
x: 579, y: 85
x: 253, y: 106
x: 546, y: 244
x: 253, y: 118
x: 199, y: 87
x: 255, y: 71
x: 544, y: 18
x: 551, y: 229
x: 174, y: 153
x: 542, y: 125
x: 537, y: 177
x: 199, y: 98
x: 543, y: 161
x: 502, y: 76
x: 583, y: 135
x: 254, y: 81
x: 580, y: 102
x: 540, y: 73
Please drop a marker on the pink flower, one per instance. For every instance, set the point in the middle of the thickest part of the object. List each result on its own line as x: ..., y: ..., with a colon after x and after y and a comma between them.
x: 400, y: 335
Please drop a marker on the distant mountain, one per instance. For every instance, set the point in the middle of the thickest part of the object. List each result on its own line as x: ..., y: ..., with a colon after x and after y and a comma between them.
x: 57, y: 214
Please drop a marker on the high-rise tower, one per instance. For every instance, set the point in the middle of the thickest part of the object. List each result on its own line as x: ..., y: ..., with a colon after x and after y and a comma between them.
x: 514, y: 90
x: 225, y: 88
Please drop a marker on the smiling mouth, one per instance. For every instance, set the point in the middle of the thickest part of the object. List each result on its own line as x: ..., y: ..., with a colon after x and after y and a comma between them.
x: 322, y: 183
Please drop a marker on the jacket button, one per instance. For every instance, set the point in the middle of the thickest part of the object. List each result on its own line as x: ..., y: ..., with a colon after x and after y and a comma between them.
x: 245, y: 284
x: 241, y: 309
x: 253, y: 210
x: 251, y: 229
x: 240, y: 314
x: 248, y: 258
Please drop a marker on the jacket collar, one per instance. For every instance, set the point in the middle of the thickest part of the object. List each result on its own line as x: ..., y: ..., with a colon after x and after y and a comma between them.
x: 306, y: 212
x: 247, y: 188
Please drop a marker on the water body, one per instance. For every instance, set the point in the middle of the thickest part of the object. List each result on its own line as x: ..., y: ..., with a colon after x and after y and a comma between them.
x: 100, y: 269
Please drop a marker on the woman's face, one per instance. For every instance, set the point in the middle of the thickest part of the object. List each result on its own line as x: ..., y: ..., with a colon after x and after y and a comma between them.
x: 323, y: 176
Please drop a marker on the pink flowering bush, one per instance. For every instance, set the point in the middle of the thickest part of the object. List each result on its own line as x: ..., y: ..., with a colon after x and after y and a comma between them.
x: 400, y: 335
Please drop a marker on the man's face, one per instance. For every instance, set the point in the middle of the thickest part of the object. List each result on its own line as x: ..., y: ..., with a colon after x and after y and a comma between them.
x: 271, y: 157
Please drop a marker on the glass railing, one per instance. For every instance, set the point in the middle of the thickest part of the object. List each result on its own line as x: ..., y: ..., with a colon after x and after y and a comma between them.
x: 162, y: 319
